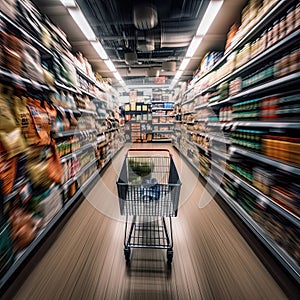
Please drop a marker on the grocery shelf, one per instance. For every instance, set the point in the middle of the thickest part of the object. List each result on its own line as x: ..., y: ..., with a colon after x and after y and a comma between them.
x: 15, y: 77
x: 269, y: 161
x: 76, y: 152
x: 87, y: 77
x: 110, y: 130
x: 200, y: 147
x: 73, y: 132
x: 267, y: 124
x: 276, y: 83
x: 165, y: 109
x: 219, y: 139
x: 86, y: 111
x: 270, y: 15
x: 34, y: 41
x: 161, y: 115
x: 162, y: 131
x: 188, y: 101
x: 42, y: 236
x: 282, y: 256
x: 214, y: 124
x: 86, y: 167
x: 69, y: 110
x: 189, y: 161
x: 261, y: 196
x: 188, y: 90
x: 102, y: 144
x: 220, y: 103
x: 66, y: 88
x: 204, y: 105
x: 177, y: 129
x: 258, y: 59
x: 161, y: 140
x: 264, y: 87
x: 160, y: 102
x: 187, y: 113
x: 201, y: 120
x: 163, y: 124
x: 16, y: 190
x: 220, y: 154
x: 83, y: 91
x: 265, y: 55
x: 80, y: 173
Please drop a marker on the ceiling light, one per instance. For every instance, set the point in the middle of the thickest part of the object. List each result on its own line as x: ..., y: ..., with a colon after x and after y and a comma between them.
x: 193, y: 46
x: 99, y: 49
x: 118, y: 76
x: 68, y: 3
x: 173, y: 83
x: 184, y: 64
x: 110, y: 65
x: 212, y: 10
x: 178, y: 75
x: 82, y: 23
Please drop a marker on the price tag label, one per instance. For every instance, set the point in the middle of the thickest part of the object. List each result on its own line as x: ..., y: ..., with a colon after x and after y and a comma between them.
x: 237, y: 182
x: 262, y: 201
x: 234, y: 126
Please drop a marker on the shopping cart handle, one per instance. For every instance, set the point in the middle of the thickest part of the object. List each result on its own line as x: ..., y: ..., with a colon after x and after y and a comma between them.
x: 149, y: 149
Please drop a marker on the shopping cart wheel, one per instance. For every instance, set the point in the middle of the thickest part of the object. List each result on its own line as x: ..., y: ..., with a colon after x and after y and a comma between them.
x: 127, y: 254
x: 169, y: 256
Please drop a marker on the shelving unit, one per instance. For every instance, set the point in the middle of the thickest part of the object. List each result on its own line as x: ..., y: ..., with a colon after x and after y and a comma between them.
x: 162, y: 116
x: 139, y: 122
x: 74, y: 144
x: 248, y: 176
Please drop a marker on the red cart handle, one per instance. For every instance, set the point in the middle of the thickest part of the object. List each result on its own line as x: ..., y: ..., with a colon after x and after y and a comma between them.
x: 149, y: 149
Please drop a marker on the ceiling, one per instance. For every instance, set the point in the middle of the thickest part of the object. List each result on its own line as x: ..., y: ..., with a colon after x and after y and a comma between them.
x: 113, y: 23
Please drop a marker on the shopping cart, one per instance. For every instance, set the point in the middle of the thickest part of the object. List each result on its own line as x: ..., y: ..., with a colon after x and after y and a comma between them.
x: 148, y: 190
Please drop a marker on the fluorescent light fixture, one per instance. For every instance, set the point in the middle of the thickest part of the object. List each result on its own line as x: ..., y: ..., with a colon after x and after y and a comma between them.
x: 118, y: 76
x: 110, y: 65
x: 173, y: 83
x: 184, y: 64
x: 82, y: 23
x: 178, y: 74
x: 193, y: 46
x: 88, y: 32
x: 212, y: 10
x: 99, y: 49
x: 68, y: 3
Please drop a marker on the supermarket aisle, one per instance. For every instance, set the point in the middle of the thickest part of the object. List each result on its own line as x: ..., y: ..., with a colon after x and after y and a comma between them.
x: 211, y: 259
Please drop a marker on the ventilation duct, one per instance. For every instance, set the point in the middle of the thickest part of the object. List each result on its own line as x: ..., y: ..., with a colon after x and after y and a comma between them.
x: 153, y: 72
x: 145, y: 16
x: 130, y: 58
x: 146, y: 45
x: 174, y: 36
x: 169, y: 66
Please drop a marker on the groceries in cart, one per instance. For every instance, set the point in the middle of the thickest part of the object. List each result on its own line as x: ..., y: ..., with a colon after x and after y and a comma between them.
x: 151, y: 190
x: 141, y: 173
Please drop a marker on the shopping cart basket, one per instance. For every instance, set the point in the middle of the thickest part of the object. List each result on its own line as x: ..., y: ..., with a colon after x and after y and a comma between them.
x: 148, y: 190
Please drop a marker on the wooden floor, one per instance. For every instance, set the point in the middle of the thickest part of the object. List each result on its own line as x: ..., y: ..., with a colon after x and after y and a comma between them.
x: 211, y: 259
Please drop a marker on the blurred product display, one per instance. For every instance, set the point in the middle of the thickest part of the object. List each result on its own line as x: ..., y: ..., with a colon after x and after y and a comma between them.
x: 236, y: 122
x: 57, y: 128
x: 240, y: 124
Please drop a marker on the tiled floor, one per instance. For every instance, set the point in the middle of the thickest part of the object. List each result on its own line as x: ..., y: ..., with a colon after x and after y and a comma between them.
x: 211, y: 259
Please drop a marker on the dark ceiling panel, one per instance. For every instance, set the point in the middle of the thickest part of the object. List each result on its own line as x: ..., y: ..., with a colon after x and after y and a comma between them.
x: 112, y: 21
